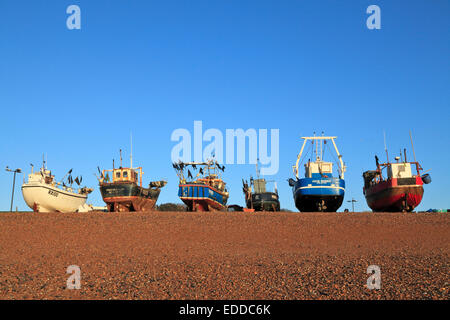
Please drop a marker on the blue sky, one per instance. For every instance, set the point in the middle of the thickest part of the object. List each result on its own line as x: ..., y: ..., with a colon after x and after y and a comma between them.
x: 151, y: 67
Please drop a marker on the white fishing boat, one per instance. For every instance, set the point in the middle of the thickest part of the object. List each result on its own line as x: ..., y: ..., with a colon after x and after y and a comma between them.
x: 43, y: 194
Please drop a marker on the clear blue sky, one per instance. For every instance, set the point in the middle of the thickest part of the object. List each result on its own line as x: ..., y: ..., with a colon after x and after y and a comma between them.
x: 154, y: 66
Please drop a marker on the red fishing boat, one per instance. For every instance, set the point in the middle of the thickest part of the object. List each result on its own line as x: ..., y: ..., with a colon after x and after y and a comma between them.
x: 402, y: 188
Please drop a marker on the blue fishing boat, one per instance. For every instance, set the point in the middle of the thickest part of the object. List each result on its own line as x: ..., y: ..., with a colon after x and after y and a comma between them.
x: 319, y: 190
x: 202, y: 189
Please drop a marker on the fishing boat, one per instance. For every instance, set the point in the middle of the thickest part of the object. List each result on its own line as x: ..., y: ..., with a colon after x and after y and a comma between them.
x: 257, y: 195
x: 42, y: 193
x: 206, y: 191
x: 125, y: 193
x: 318, y: 190
x: 400, y: 190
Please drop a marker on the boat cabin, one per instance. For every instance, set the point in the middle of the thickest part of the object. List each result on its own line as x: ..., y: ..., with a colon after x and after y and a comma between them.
x: 43, y: 176
x: 318, y: 169
x: 259, y: 185
x: 125, y: 175
x: 213, y: 181
x: 133, y: 175
x: 399, y: 170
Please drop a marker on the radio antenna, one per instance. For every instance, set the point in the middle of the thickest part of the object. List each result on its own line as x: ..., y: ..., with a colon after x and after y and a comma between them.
x: 412, y: 145
x: 131, y: 153
x: 257, y: 169
x: 385, y: 147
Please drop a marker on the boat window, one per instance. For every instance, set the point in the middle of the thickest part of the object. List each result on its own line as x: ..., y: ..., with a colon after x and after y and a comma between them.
x: 125, y: 174
x: 117, y: 174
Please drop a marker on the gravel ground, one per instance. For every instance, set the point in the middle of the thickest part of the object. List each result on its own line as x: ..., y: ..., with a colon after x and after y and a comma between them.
x: 168, y: 255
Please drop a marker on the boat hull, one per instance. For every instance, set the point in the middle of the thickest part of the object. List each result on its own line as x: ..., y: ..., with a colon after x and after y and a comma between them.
x: 267, y: 201
x: 324, y: 194
x: 202, y: 197
x: 128, y: 197
x: 46, y: 198
x: 395, y: 195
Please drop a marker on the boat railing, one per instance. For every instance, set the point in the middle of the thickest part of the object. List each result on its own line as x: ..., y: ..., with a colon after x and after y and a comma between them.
x: 62, y: 187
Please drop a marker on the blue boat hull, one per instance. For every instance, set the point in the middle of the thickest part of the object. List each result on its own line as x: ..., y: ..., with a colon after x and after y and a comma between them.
x: 319, y: 194
x: 201, y: 197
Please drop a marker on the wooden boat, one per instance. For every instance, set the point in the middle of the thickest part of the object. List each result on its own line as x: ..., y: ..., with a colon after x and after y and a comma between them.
x: 125, y: 192
x: 206, y: 191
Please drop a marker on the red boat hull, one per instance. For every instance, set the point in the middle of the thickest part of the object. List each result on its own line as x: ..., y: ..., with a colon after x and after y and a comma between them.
x: 395, y: 195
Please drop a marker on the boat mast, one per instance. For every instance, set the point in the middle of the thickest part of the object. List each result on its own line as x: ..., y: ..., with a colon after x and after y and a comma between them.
x: 412, y: 145
x: 414, y: 154
x: 131, y: 152
x: 43, y: 161
x: 385, y: 147
x: 257, y: 169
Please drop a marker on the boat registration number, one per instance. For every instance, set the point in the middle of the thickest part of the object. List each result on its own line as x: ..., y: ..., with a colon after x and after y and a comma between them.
x: 321, y: 181
x: 53, y: 193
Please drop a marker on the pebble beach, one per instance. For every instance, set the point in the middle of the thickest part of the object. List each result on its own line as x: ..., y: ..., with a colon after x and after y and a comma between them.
x: 224, y: 255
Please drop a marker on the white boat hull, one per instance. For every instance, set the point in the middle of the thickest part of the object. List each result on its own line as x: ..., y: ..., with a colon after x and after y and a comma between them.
x: 46, y: 198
